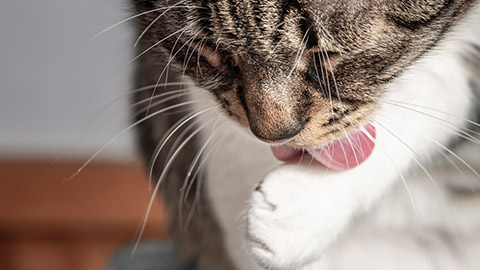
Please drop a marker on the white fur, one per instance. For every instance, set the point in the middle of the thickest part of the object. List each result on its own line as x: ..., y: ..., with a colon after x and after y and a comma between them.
x: 298, y: 212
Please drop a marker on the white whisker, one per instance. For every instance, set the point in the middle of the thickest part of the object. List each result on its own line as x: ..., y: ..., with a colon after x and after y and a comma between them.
x: 123, y: 21
x: 441, y: 146
x: 167, y: 65
x: 157, y: 18
x: 300, y: 52
x: 453, y: 125
x: 170, y: 134
x: 407, y: 189
x: 123, y: 132
x: 159, y: 181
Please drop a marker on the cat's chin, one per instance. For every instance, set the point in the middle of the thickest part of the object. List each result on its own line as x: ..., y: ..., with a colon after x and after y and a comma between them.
x: 344, y: 153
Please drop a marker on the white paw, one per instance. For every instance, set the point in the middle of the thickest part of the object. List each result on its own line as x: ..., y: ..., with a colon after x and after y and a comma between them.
x: 295, y: 213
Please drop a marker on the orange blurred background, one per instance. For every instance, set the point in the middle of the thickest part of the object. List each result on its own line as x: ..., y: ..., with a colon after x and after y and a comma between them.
x: 49, y: 223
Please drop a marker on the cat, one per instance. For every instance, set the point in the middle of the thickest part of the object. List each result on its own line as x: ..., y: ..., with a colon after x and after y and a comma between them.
x: 343, y: 99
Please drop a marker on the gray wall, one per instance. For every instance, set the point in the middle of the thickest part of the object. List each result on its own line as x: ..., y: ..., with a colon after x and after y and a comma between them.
x: 55, y: 88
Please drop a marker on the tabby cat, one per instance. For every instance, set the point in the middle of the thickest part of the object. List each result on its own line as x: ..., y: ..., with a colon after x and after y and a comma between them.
x: 315, y: 112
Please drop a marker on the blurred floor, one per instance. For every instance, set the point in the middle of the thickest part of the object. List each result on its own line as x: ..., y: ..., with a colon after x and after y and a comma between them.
x: 47, y: 222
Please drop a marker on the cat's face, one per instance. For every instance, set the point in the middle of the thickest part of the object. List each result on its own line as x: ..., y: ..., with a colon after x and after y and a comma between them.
x: 305, y: 71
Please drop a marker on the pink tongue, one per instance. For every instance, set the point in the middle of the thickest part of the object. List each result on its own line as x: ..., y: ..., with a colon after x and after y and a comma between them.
x: 344, y: 153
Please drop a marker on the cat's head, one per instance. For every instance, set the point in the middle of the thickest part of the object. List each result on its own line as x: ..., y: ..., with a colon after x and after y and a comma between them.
x: 306, y: 71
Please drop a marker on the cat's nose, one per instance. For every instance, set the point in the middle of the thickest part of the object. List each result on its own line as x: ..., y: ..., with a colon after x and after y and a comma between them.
x: 277, y: 134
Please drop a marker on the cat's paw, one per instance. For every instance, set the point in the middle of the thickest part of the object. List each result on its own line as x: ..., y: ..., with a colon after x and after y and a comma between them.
x: 295, y: 213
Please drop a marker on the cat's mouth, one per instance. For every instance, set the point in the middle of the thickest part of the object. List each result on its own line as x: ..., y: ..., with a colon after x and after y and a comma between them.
x: 344, y: 153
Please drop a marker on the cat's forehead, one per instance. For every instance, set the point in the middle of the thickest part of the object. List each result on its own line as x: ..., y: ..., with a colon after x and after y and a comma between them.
x: 285, y: 25
x: 342, y: 6
x: 333, y: 25
x: 329, y: 12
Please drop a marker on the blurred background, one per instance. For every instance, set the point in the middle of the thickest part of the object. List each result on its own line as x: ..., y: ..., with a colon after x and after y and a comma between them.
x: 62, y: 97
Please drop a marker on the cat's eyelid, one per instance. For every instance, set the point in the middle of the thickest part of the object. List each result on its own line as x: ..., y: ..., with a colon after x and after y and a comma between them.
x: 212, y: 56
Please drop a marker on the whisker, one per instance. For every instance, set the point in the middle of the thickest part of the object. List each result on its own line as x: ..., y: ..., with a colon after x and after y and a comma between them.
x: 158, y: 17
x: 161, y: 102
x: 435, y: 117
x: 187, y: 186
x: 458, y: 132
x: 320, y: 80
x: 431, y: 109
x: 140, y: 55
x: 199, y: 52
x: 123, y: 21
x: 300, y: 52
x: 333, y: 76
x: 344, y: 152
x: 440, y: 145
x: 123, y: 132
x: 165, y: 69
x: 179, y: 139
x: 171, y: 57
x: 171, y: 95
x: 165, y: 38
x: 169, y: 135
x: 159, y: 181
x: 353, y: 148
x: 101, y: 110
x: 188, y: 55
x: 407, y: 189
x: 198, y: 155
x: 326, y: 78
